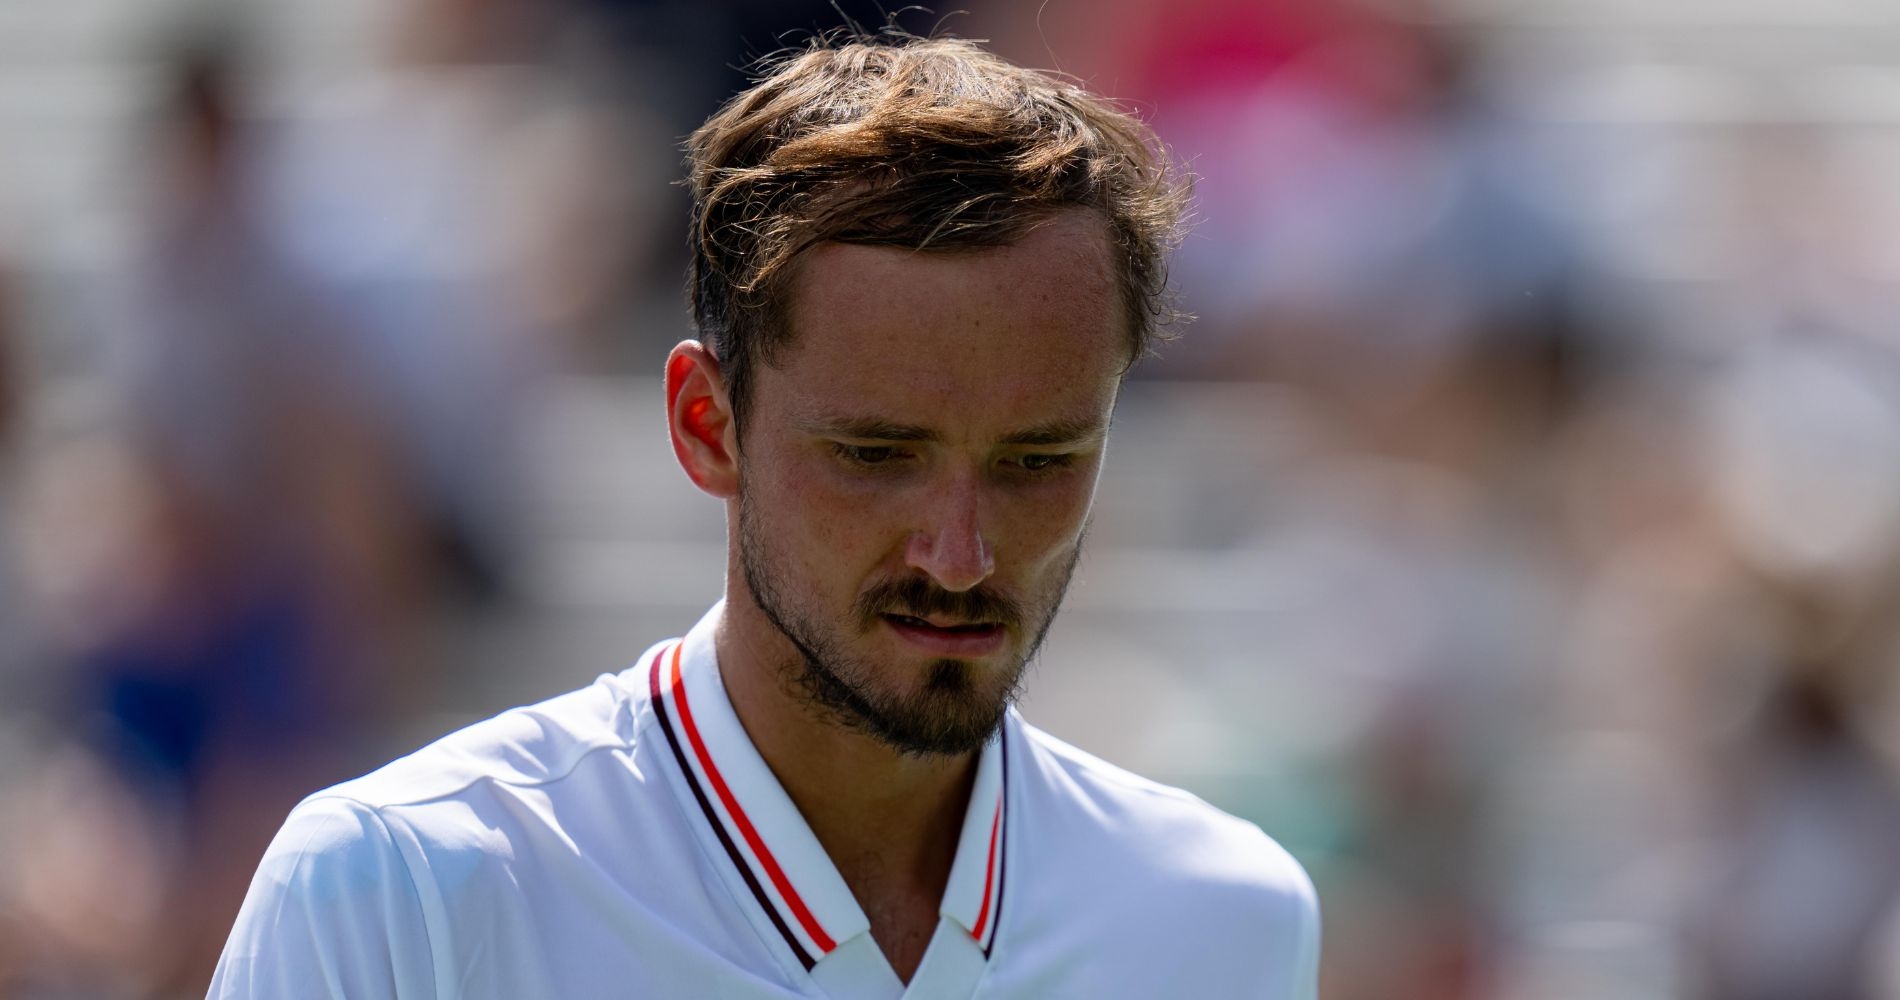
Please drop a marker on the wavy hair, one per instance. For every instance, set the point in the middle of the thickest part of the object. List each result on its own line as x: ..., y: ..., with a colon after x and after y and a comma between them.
x: 926, y: 144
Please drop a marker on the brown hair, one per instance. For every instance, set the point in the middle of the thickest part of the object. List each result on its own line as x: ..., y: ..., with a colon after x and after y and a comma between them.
x: 927, y: 144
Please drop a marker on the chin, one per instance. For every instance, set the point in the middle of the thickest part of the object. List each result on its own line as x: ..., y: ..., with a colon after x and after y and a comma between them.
x: 952, y: 707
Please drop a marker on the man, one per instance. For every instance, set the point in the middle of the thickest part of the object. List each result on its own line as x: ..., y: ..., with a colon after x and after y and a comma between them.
x: 921, y: 274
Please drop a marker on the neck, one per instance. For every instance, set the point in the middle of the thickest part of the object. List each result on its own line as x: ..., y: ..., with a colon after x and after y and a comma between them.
x: 869, y: 804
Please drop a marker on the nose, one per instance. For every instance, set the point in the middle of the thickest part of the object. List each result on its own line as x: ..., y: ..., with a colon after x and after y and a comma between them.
x: 950, y: 547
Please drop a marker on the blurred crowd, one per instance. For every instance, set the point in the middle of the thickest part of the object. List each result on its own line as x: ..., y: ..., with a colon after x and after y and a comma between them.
x: 1514, y: 534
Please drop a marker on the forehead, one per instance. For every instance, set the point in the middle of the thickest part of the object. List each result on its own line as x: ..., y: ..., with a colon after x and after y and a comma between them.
x: 984, y: 338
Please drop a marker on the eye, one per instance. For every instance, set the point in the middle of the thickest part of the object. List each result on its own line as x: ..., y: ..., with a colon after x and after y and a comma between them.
x: 860, y: 454
x: 1043, y: 463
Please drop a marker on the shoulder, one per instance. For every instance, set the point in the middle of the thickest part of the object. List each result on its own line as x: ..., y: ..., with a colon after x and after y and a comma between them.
x: 1157, y: 825
x: 1170, y: 851
x: 364, y: 877
x: 476, y: 802
x: 332, y: 848
x: 1103, y: 862
x: 333, y: 902
x: 531, y: 745
x: 456, y: 805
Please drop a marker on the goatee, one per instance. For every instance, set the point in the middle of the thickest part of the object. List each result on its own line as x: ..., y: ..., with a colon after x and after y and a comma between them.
x: 959, y: 704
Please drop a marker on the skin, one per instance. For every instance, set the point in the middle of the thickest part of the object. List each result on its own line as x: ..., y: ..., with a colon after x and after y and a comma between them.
x: 928, y: 443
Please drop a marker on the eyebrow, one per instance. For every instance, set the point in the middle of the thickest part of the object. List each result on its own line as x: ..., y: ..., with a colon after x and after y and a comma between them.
x: 1054, y: 432
x: 1059, y: 432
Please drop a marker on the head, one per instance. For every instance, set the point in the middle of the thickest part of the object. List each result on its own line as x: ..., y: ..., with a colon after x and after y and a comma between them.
x: 920, y: 274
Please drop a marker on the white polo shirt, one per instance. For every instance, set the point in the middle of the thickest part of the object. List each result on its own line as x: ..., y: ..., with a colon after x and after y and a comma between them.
x: 627, y: 840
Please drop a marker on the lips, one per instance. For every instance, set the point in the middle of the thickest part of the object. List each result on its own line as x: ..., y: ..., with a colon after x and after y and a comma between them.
x: 947, y: 638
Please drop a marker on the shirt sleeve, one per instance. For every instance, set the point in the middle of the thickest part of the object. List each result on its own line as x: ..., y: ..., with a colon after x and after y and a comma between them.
x: 332, y: 912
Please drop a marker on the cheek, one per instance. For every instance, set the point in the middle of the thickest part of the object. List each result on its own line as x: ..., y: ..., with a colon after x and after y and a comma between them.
x: 1045, y: 525
x: 826, y: 521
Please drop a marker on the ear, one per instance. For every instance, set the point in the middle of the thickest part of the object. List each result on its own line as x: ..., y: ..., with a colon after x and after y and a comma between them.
x: 699, y: 418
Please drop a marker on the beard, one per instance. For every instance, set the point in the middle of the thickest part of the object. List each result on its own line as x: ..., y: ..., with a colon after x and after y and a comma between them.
x: 958, y: 705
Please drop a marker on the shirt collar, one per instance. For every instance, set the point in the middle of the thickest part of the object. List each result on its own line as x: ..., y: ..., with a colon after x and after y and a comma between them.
x: 974, y: 893
x: 757, y: 825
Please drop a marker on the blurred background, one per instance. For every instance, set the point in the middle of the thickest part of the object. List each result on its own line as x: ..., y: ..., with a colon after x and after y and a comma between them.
x: 1515, y: 535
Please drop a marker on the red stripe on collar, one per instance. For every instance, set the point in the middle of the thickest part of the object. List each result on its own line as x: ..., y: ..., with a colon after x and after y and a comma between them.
x: 747, y: 832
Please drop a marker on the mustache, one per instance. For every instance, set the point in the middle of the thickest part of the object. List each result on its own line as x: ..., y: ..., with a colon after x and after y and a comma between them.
x: 918, y: 597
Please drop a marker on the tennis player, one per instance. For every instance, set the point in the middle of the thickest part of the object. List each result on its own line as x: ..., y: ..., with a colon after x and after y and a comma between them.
x: 920, y: 276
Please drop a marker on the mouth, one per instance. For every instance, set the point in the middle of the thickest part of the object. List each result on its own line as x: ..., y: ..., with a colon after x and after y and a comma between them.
x: 946, y: 637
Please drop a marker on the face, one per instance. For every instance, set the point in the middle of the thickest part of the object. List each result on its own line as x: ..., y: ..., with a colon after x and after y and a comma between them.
x: 917, y: 468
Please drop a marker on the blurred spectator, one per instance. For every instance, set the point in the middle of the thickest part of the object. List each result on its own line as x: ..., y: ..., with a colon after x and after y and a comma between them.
x: 1809, y: 855
x: 179, y: 598
x: 1804, y: 464
x: 466, y: 212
